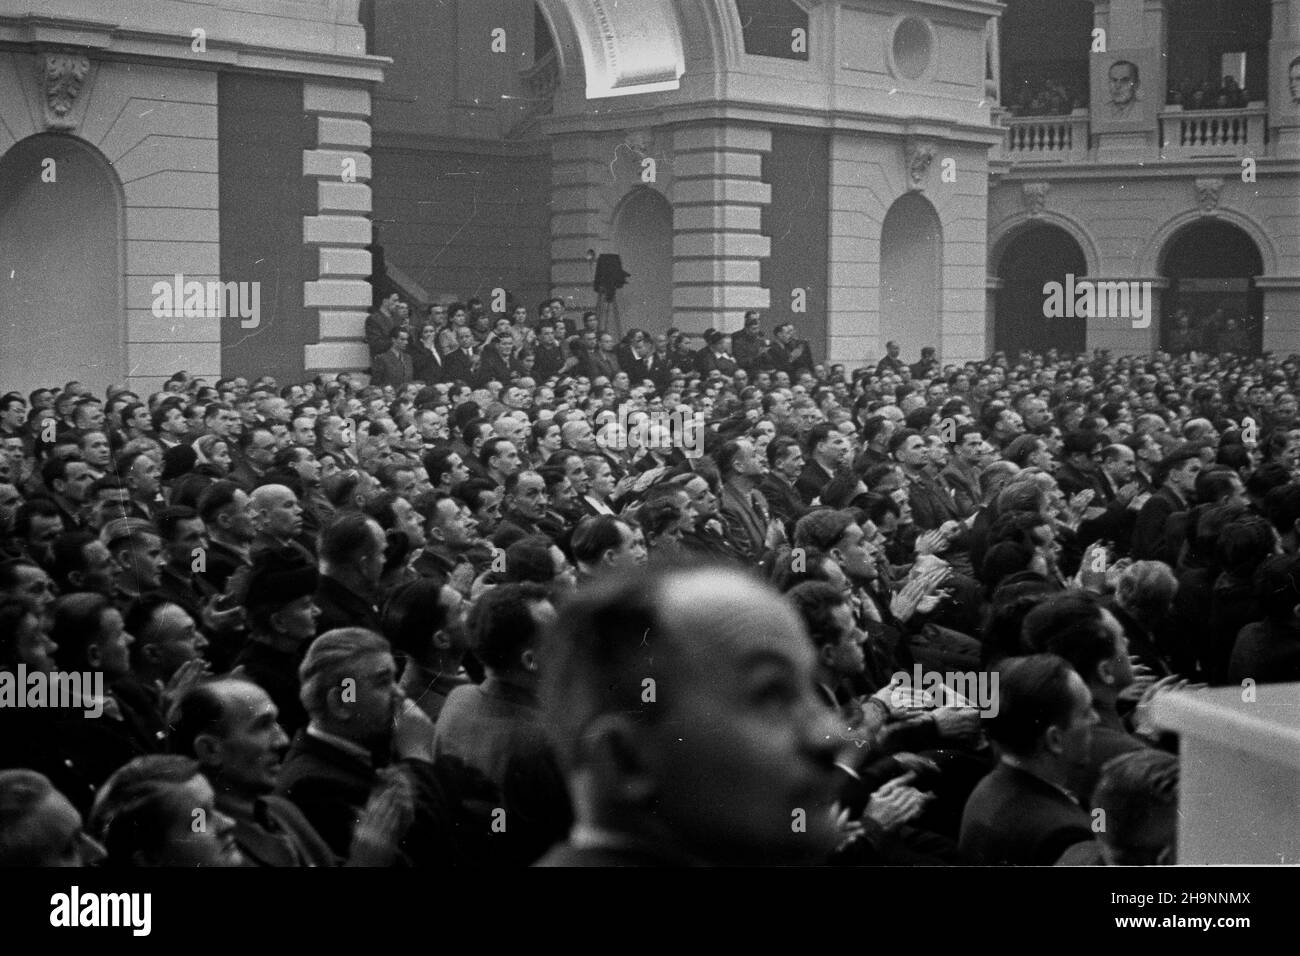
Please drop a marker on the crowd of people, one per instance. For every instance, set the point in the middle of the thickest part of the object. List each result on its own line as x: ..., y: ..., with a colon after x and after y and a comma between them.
x: 1191, y: 95
x: 532, y: 594
x: 1046, y: 97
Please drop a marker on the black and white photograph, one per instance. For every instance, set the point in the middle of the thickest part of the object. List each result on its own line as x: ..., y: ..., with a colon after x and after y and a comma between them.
x: 509, y: 434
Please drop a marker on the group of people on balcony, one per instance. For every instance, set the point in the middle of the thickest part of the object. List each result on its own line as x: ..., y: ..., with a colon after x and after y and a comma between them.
x: 1046, y: 98
x: 1190, y: 96
x: 1053, y: 98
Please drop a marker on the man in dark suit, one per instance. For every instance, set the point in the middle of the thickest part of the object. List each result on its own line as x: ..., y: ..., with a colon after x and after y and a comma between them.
x: 1151, y: 540
x: 1021, y: 814
x: 459, y: 365
x: 962, y: 475
x: 496, y: 728
x: 1075, y: 626
x: 932, y: 501
x: 787, y: 354
x: 744, y: 510
x: 394, y: 366
x: 352, y: 562
x: 548, y: 352
x: 1119, y: 497
x: 785, y: 463
x: 380, y: 325
x: 706, y: 774
x: 1079, y: 472
x: 364, y: 738
x: 827, y: 447
x: 494, y: 363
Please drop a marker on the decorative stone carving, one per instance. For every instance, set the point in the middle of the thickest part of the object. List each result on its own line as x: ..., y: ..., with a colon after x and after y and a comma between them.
x: 1207, y: 194
x: 640, y: 141
x: 62, y: 76
x: 1035, y: 197
x: 919, y: 156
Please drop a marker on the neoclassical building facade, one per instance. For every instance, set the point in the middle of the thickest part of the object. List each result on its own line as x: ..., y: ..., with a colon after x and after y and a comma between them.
x: 866, y: 169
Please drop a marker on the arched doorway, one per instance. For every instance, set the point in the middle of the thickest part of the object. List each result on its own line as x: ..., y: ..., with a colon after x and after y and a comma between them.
x: 643, y: 237
x: 1211, y: 267
x: 911, y: 275
x: 61, y: 315
x: 1037, y: 255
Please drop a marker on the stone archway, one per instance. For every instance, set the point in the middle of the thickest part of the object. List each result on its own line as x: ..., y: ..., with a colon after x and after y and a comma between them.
x: 1033, y: 256
x: 61, y: 265
x: 625, y: 48
x: 1211, y: 266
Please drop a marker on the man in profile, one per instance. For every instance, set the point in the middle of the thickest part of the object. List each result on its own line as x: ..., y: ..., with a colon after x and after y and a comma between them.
x: 684, y: 709
x: 1021, y: 814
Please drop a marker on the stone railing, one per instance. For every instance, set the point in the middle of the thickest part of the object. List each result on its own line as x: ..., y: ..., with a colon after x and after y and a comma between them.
x: 1193, y: 133
x: 1046, y: 139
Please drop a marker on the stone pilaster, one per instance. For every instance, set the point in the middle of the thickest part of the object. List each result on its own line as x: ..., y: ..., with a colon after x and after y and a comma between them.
x: 718, y: 198
x: 341, y: 228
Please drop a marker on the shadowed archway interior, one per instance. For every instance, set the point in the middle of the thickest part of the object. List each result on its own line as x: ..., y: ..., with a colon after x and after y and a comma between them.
x: 1039, y: 254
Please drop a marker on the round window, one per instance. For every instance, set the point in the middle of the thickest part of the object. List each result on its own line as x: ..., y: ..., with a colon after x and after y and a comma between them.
x: 912, y: 47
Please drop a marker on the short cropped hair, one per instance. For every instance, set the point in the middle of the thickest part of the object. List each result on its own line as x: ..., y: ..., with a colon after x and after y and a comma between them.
x: 136, y: 806
x: 501, y: 625
x: 1034, y: 696
x: 1132, y: 789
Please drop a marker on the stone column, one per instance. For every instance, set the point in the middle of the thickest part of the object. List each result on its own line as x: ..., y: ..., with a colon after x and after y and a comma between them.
x: 1281, y: 313
x: 341, y: 228
x: 1118, y: 333
x: 1128, y: 132
x: 1283, y: 108
x: 992, y: 286
x: 718, y: 197
x: 853, y: 284
x: 579, y: 163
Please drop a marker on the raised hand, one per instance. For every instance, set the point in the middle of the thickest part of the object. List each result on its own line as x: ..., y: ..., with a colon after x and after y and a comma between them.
x: 384, y: 821
x: 896, y: 803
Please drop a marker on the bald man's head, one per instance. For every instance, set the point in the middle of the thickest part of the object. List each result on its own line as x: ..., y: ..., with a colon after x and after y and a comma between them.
x: 277, y: 511
x: 684, y: 708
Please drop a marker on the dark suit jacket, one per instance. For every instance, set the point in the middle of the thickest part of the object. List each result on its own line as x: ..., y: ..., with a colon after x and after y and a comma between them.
x: 812, y: 481
x: 746, y: 520
x: 428, y: 365
x: 458, y: 367
x: 932, y: 501
x: 496, y: 728
x: 1151, y: 541
x: 341, y: 607
x: 1073, y: 480
x: 1013, y: 817
x: 392, y: 368
x: 329, y: 786
x: 379, y: 332
x: 1267, y: 653
x: 965, y: 487
x: 491, y: 368
x: 782, y: 499
x: 549, y: 361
